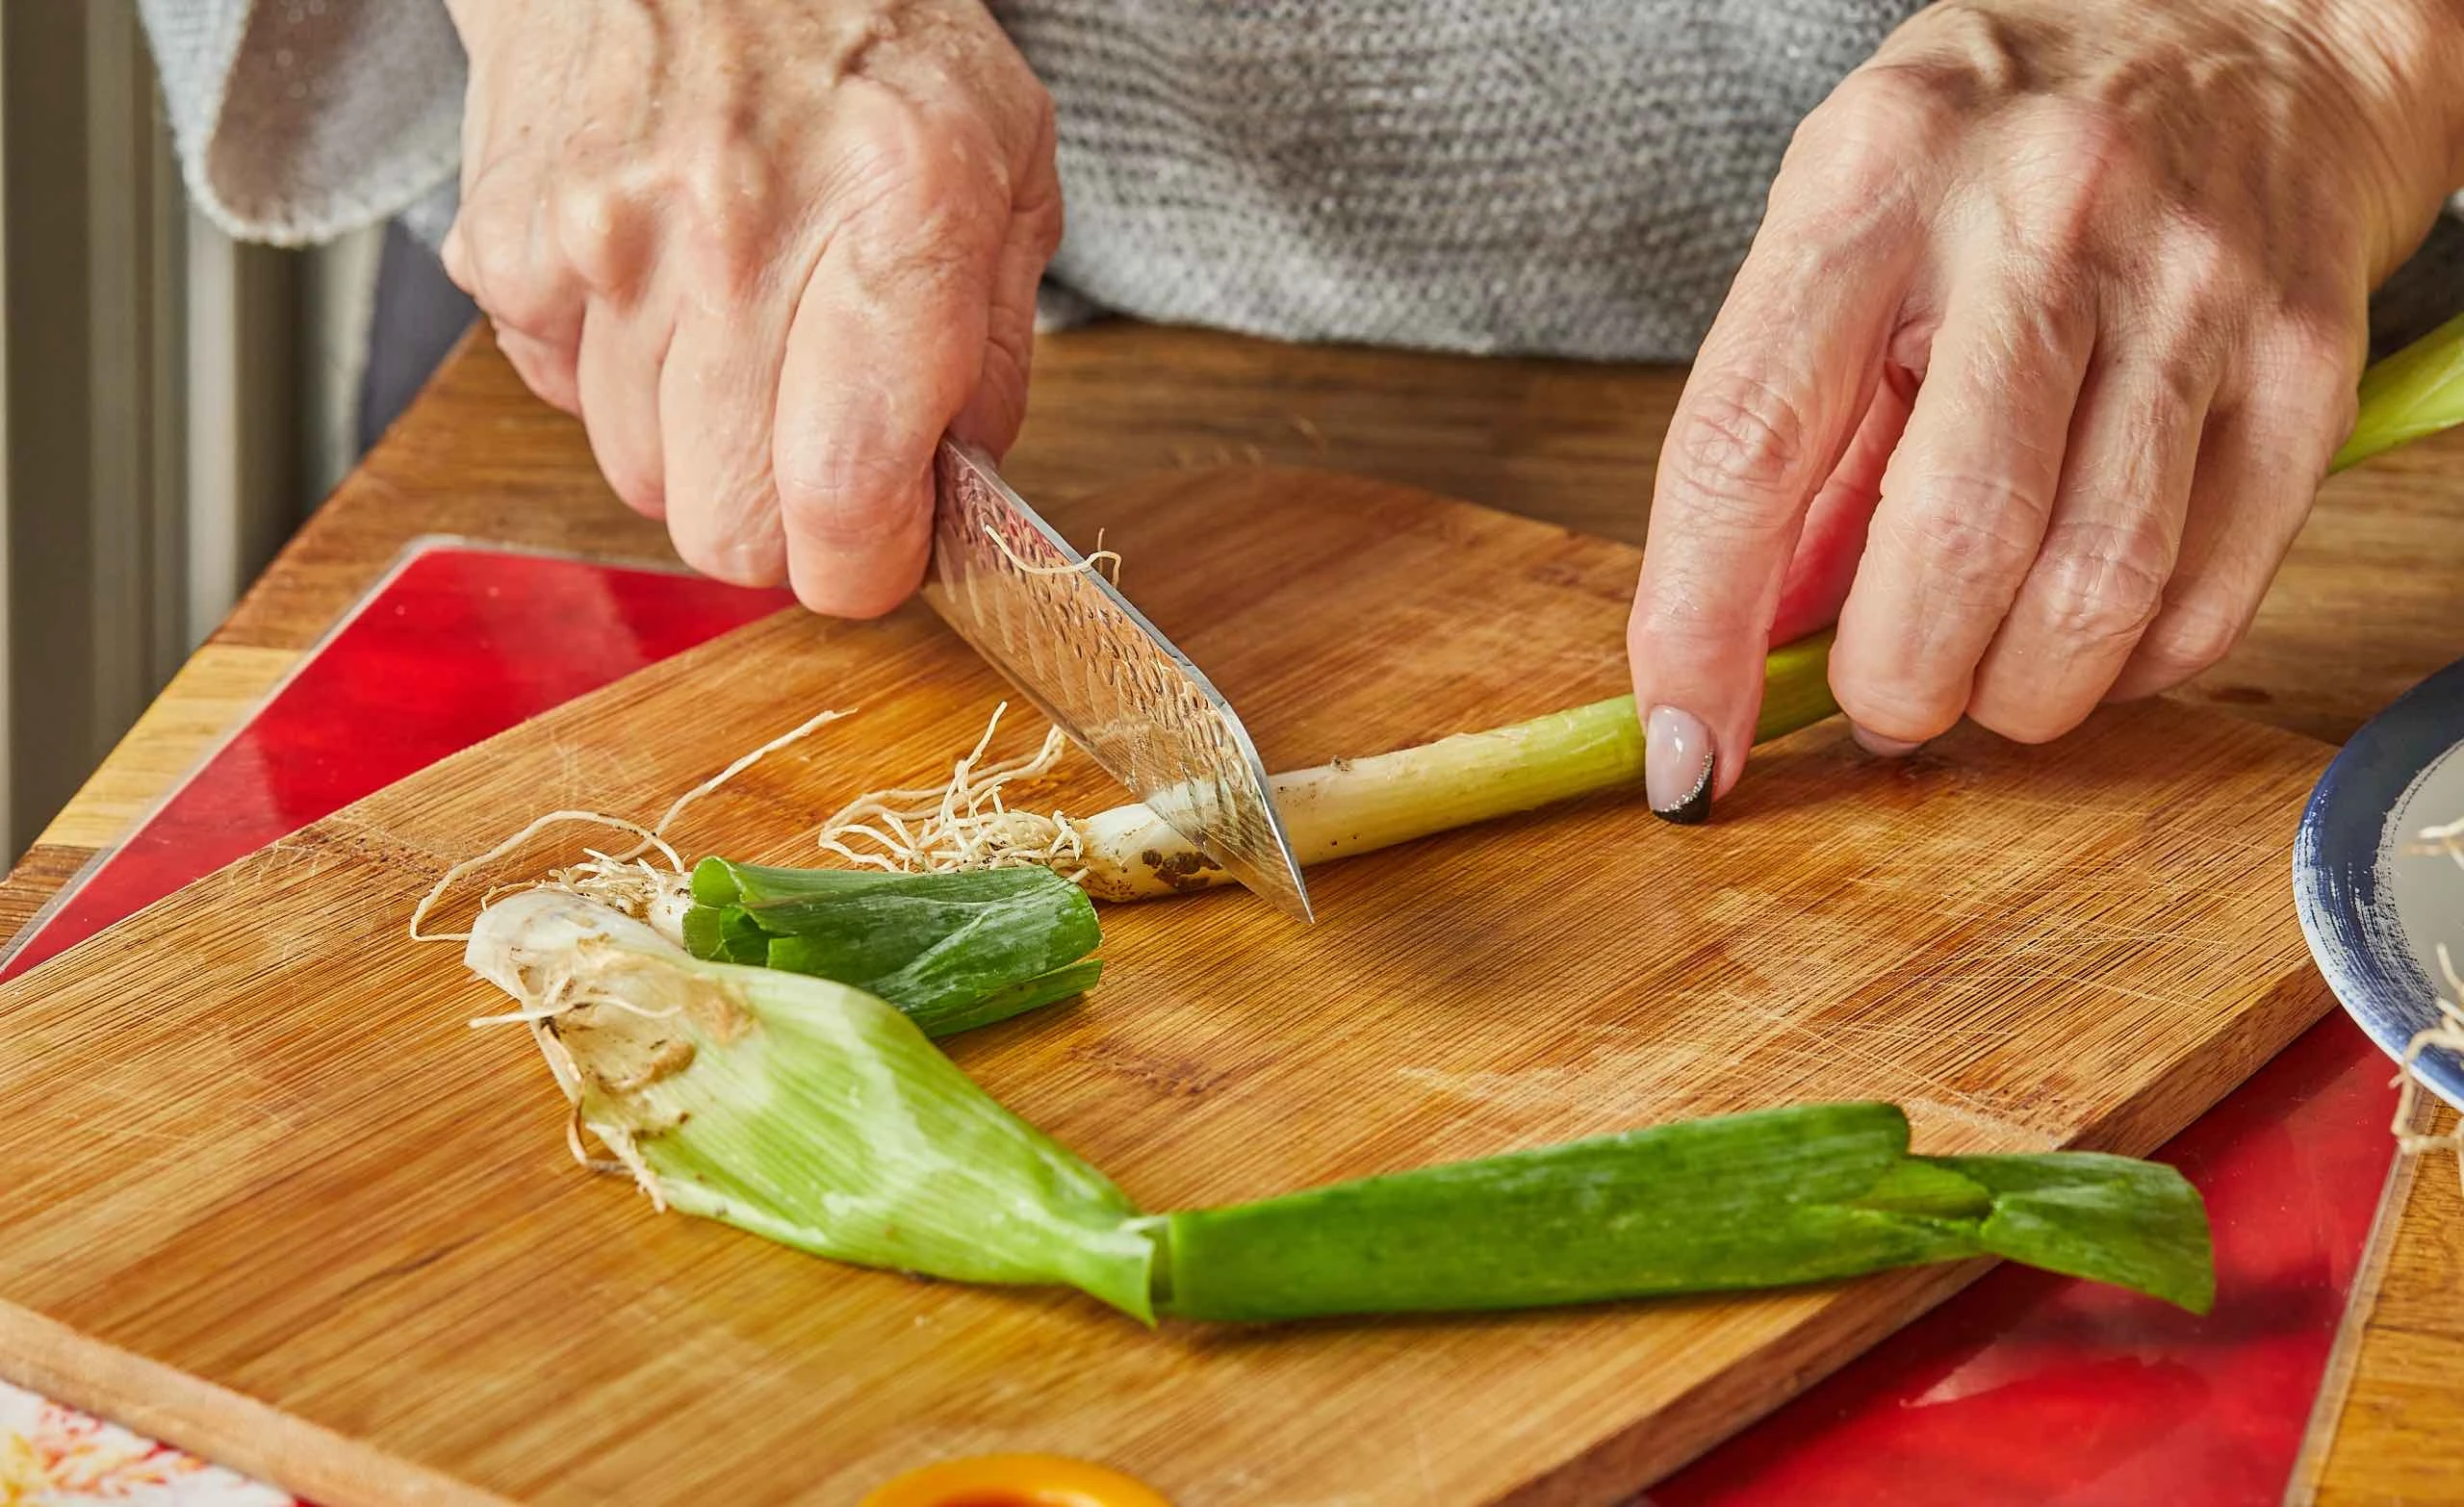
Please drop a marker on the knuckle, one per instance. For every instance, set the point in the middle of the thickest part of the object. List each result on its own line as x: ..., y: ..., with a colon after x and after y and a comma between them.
x: 2333, y: 345
x: 842, y: 502
x: 1041, y: 125
x: 727, y: 547
x: 2316, y: 359
x: 917, y: 214
x: 2199, y: 287
x: 2068, y: 162
x: 637, y: 479
x: 728, y: 196
x: 2103, y: 582
x: 547, y: 370
x: 1001, y: 390
x: 2200, y: 267
x: 1895, y: 708
x: 1743, y: 433
x: 2188, y: 638
x: 2182, y: 378
x: 1663, y: 626
x: 2022, y: 716
x: 836, y: 593
x: 897, y: 154
x: 926, y: 168
x: 1045, y: 226
x: 2339, y: 408
x: 515, y: 281
x: 496, y: 274
x: 1974, y: 529
x: 1866, y: 141
x: 598, y: 226
x: 1036, y: 212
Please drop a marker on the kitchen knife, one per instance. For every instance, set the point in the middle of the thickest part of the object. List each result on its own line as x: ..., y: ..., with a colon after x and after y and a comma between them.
x: 1067, y: 638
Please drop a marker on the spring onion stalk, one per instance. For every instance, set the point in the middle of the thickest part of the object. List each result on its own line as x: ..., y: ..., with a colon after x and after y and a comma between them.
x: 813, y: 1113
x: 799, y: 1110
x: 1812, y: 1194
x: 953, y: 951
x: 2416, y: 392
x: 1361, y: 805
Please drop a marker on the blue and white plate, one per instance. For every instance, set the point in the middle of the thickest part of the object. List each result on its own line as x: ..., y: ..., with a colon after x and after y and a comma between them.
x: 2376, y: 913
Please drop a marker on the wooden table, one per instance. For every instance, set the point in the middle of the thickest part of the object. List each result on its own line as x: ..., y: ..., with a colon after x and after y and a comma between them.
x: 2367, y: 605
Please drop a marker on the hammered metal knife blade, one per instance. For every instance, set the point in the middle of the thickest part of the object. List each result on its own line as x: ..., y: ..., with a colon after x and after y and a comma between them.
x: 1072, y: 642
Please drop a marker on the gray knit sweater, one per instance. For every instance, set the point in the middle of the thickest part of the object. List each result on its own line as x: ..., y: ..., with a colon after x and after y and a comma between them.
x: 1574, y: 177
x: 1570, y: 176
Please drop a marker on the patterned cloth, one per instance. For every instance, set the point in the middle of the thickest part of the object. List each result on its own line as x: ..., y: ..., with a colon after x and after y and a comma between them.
x: 52, y: 1456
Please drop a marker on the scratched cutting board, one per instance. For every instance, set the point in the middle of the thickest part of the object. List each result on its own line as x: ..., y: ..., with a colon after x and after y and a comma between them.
x: 267, y: 1195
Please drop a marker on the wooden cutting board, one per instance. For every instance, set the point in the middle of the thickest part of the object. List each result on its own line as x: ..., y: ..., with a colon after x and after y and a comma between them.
x: 267, y: 1195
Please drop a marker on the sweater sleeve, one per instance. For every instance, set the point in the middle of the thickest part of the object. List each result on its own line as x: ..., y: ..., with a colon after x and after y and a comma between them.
x: 297, y: 120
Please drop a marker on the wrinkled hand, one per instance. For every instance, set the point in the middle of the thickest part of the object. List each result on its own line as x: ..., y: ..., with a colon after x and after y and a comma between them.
x: 768, y: 250
x: 2046, y: 339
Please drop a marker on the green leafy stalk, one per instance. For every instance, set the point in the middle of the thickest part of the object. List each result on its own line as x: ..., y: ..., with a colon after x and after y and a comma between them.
x: 802, y: 1109
x: 954, y: 951
x: 1358, y: 805
x: 815, y: 1114
x: 2135, y: 1224
x: 1783, y: 1196
x: 2416, y: 392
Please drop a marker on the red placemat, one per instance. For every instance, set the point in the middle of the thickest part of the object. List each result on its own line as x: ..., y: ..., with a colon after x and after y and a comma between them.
x: 2024, y: 1388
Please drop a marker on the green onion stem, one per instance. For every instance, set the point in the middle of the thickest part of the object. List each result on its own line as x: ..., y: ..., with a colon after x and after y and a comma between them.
x: 816, y: 1115
x: 1778, y: 1197
x: 953, y: 951
x: 2416, y: 392
x: 803, y: 1110
x: 1361, y: 805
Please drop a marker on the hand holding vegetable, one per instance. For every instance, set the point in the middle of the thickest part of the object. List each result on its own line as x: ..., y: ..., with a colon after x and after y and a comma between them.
x: 768, y: 250
x: 2049, y: 333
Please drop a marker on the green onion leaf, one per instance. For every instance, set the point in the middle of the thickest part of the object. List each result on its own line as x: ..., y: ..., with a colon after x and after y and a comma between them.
x: 2135, y: 1224
x: 954, y: 951
x: 2416, y: 392
x: 806, y: 1112
x: 815, y: 1114
x: 1811, y: 1194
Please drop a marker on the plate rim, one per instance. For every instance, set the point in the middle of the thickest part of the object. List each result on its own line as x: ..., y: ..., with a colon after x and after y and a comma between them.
x: 2355, y: 939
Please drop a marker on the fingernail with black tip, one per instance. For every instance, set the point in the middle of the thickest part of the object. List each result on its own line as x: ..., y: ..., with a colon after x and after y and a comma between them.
x: 1678, y: 762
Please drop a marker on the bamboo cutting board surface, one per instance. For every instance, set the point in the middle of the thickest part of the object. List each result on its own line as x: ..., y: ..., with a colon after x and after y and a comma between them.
x: 272, y: 1196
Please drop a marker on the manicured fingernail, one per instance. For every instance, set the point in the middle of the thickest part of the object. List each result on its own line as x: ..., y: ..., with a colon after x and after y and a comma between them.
x: 1887, y: 748
x: 1678, y: 764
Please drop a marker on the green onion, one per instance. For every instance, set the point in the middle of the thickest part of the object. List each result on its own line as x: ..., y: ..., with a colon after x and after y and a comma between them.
x: 2416, y: 392
x: 813, y: 1113
x: 954, y: 951
x: 1783, y: 1196
x: 1361, y: 805
x: 803, y: 1110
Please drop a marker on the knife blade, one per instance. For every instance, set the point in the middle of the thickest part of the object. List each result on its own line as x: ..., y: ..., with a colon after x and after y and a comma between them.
x: 1016, y: 591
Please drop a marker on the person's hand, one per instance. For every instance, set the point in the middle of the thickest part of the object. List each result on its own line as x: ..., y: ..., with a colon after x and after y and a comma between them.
x: 2046, y: 339
x: 768, y: 250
